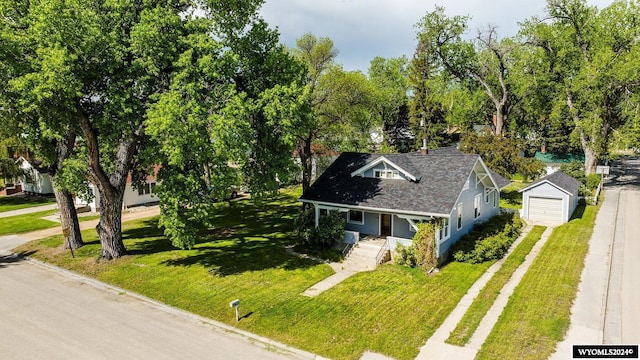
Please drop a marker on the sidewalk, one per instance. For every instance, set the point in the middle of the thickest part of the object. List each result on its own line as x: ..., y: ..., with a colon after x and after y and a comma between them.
x: 587, y: 313
x: 436, y: 348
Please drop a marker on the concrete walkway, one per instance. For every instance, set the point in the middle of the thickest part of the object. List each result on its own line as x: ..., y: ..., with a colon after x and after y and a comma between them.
x: 28, y: 210
x: 436, y: 348
x: 362, y: 258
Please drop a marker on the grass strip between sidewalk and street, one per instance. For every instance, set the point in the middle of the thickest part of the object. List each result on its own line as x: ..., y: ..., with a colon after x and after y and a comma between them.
x: 20, y: 224
x: 392, y: 310
x: 538, y: 313
x: 482, y: 303
x: 10, y: 203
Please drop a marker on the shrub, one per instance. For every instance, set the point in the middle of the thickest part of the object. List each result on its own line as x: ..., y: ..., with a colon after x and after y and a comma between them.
x: 489, y: 240
x: 422, y: 252
x: 592, y: 181
x: 575, y: 169
x: 330, y: 229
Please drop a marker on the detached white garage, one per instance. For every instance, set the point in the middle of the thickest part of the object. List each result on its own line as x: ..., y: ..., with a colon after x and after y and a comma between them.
x: 552, y: 198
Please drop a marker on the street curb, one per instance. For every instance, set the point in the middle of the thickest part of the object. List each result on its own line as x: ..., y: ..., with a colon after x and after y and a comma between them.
x: 253, y: 338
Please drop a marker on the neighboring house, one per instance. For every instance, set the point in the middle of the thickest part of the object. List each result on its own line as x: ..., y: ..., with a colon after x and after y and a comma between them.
x: 132, y: 197
x: 321, y: 158
x: 553, y: 161
x: 35, y: 179
x: 552, y: 198
x: 386, y: 195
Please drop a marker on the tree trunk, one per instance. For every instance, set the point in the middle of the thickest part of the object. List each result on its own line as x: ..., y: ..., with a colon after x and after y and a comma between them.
x: 66, y: 207
x: 68, y: 219
x: 499, y: 119
x: 306, y: 159
x: 590, y: 156
x: 109, y: 227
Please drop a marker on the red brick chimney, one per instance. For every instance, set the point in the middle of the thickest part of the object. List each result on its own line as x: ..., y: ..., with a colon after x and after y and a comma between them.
x: 423, y: 149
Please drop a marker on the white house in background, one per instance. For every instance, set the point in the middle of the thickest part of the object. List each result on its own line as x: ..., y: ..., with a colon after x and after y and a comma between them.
x: 132, y: 197
x: 36, y: 180
x: 385, y: 195
x: 552, y: 198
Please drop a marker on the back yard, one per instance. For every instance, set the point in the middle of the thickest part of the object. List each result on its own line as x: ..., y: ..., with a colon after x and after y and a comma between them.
x: 392, y: 310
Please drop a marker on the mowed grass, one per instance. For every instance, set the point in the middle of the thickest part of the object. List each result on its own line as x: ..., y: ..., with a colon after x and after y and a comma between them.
x: 510, y: 197
x: 538, y: 313
x: 33, y: 221
x: 9, y: 203
x: 482, y: 303
x: 392, y: 310
x: 28, y: 222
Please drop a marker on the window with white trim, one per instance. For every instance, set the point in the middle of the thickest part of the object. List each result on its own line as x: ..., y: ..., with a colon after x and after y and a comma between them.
x: 459, y: 216
x: 487, y: 193
x: 496, y: 196
x: 477, y: 202
x: 355, y: 217
x: 146, y: 189
x: 386, y: 174
x: 443, y: 229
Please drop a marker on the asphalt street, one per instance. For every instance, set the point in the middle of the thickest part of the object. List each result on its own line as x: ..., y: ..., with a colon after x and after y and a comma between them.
x: 50, y: 313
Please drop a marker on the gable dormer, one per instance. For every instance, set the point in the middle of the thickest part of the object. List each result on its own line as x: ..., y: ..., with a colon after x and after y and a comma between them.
x: 383, y: 168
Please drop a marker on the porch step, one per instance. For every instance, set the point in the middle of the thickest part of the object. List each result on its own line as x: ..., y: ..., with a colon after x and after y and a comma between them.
x: 363, y: 257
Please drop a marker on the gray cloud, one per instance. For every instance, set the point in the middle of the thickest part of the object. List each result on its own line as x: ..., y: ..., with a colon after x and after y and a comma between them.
x: 363, y: 29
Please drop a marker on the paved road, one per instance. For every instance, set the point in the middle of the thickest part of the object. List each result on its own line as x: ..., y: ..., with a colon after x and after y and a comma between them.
x: 49, y: 314
x: 622, y: 314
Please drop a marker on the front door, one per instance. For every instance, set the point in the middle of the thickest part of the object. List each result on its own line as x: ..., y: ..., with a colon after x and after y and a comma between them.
x: 385, y: 225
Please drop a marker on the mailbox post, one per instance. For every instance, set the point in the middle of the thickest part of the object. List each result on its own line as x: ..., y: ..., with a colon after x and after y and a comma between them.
x: 236, y: 304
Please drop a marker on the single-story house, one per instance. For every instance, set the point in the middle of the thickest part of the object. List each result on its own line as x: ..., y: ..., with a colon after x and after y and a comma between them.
x: 386, y: 195
x: 132, y: 196
x: 551, y: 198
x: 36, y: 180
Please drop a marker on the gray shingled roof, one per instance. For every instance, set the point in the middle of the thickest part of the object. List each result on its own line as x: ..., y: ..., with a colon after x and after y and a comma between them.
x: 560, y: 180
x: 443, y: 177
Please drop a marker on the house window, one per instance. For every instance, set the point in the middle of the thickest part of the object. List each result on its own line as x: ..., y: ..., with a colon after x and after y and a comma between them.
x: 324, y: 212
x: 443, y: 229
x: 459, y: 216
x: 144, y: 189
x: 477, y: 202
x: 487, y: 193
x: 386, y: 174
x: 496, y: 196
x: 153, y: 188
x: 355, y: 217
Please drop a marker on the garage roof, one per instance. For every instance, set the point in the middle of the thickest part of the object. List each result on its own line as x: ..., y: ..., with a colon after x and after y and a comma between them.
x: 559, y: 180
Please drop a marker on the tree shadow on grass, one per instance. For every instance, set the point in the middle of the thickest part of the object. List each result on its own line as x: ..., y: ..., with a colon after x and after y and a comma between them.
x: 242, y: 256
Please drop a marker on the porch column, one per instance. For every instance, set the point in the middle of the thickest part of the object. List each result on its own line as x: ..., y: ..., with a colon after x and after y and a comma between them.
x: 317, y: 214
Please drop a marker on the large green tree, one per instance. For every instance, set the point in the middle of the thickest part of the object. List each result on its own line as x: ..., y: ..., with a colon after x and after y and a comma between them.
x: 592, y: 56
x: 99, y: 67
x: 389, y: 79
x: 228, y: 112
x: 482, y: 63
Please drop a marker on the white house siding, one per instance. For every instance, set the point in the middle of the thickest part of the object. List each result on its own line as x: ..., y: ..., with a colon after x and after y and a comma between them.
x: 38, y: 183
x: 547, y: 191
x: 133, y: 198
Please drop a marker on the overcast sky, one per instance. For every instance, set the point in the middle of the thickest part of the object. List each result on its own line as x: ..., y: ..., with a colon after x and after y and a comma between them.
x: 363, y: 29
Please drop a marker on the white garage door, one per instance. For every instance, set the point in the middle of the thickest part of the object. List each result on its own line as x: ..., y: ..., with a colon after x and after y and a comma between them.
x: 545, y: 209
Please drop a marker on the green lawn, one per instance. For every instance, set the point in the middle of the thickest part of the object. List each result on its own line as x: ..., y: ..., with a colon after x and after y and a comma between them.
x: 31, y: 222
x: 538, y: 313
x: 24, y: 223
x: 392, y: 310
x: 8, y: 203
x: 510, y: 197
x: 482, y: 303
